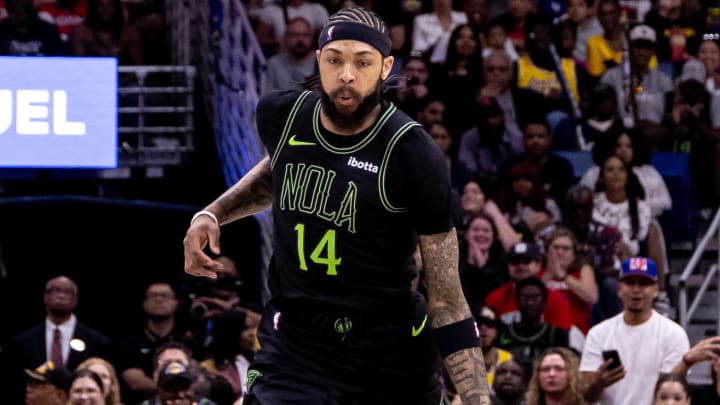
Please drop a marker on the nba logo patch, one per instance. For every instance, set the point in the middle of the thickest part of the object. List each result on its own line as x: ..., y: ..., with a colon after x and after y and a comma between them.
x: 638, y: 264
x: 330, y: 33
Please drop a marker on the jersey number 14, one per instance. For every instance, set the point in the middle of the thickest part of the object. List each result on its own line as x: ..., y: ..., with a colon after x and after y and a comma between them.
x: 326, y: 246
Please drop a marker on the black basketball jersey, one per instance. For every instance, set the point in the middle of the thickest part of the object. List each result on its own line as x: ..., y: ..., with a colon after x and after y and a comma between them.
x: 347, y: 209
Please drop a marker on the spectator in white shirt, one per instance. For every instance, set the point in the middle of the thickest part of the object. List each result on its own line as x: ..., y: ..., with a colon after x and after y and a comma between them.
x: 629, y: 146
x: 647, y: 343
x: 431, y: 31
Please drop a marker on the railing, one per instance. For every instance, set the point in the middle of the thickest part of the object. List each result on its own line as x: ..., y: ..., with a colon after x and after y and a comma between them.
x: 685, y: 313
x: 239, y: 70
x: 155, y: 114
x: 230, y: 67
x: 178, y: 25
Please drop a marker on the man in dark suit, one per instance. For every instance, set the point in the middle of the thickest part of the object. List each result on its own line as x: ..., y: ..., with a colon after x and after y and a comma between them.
x: 60, y: 338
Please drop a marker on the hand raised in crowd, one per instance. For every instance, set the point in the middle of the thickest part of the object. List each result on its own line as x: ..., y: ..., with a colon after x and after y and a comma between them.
x: 556, y: 269
x: 705, y: 350
x: 203, y: 231
x: 491, y: 209
x: 477, y: 256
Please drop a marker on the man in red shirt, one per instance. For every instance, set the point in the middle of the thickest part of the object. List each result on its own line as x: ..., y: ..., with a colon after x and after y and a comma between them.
x: 524, y: 260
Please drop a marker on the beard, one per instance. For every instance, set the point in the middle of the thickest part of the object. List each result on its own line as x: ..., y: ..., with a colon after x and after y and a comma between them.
x: 350, y: 120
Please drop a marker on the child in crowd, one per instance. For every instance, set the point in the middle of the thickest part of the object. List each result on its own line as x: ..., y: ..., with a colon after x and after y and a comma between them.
x: 588, y: 25
x: 496, y: 39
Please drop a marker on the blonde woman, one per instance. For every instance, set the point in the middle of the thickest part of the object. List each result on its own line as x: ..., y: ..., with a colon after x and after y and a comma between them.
x: 106, y: 372
x: 86, y: 388
x: 555, y: 379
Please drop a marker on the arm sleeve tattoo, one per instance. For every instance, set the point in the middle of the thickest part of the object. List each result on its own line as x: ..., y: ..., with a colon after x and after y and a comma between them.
x: 446, y: 305
x: 250, y: 195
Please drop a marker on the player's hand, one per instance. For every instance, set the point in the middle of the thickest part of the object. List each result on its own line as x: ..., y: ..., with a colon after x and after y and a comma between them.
x: 202, y: 232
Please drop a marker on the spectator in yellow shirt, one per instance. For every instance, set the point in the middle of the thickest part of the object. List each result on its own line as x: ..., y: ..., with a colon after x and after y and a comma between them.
x: 605, y: 51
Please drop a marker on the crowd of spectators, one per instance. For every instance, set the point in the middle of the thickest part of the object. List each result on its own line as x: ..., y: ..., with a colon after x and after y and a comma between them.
x: 560, y: 271
x: 133, y: 31
x: 195, y: 346
x: 199, y: 338
x: 506, y: 89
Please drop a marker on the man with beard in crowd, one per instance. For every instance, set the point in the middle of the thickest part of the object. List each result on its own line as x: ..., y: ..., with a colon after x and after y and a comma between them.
x: 355, y: 185
x: 295, y: 62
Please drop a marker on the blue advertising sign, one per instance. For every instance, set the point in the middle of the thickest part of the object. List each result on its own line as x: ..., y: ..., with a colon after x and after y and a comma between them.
x: 58, y: 112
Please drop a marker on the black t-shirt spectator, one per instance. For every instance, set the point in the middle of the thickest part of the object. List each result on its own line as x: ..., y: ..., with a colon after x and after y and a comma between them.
x: 39, y: 39
x: 557, y: 174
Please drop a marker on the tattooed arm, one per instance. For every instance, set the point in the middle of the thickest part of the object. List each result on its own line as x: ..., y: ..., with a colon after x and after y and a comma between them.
x: 251, y: 194
x: 447, y: 305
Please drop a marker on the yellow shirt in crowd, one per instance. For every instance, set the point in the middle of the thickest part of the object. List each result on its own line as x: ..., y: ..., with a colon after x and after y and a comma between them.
x: 599, y: 51
x: 544, y: 81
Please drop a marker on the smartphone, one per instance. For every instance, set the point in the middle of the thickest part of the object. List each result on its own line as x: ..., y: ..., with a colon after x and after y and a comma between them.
x: 612, y: 354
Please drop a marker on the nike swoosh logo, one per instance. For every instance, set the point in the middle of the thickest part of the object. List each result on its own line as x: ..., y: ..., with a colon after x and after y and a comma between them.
x: 417, y: 331
x: 293, y: 142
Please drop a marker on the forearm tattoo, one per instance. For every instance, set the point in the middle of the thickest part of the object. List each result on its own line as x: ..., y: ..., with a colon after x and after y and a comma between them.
x: 467, y: 371
x: 440, y: 263
x: 250, y: 195
x: 446, y: 305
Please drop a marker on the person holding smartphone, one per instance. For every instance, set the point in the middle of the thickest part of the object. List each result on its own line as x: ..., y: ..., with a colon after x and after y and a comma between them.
x: 639, y: 343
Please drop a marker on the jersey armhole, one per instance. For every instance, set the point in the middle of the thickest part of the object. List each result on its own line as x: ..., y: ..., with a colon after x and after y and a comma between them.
x: 288, y: 124
x: 384, y: 166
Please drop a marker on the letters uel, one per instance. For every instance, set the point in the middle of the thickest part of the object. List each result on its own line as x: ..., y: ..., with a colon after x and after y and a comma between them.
x: 31, y: 113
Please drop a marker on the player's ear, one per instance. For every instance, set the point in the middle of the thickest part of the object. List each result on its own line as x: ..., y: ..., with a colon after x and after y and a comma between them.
x: 387, y: 66
x: 317, y: 55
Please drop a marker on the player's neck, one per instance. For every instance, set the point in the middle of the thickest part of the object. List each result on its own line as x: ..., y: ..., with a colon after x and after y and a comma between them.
x: 342, y: 130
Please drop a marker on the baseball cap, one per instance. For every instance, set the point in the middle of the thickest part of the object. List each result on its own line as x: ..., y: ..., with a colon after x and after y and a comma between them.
x: 48, y: 373
x: 523, y: 251
x: 639, y: 266
x: 693, y: 70
x: 173, y: 371
x: 643, y: 32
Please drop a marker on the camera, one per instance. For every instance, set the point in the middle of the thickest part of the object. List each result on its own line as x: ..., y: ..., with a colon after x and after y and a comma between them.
x: 199, y: 310
x: 412, y: 81
x: 223, y: 288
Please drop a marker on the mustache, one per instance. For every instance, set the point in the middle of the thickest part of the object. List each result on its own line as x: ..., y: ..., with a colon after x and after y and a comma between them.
x: 345, y: 91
